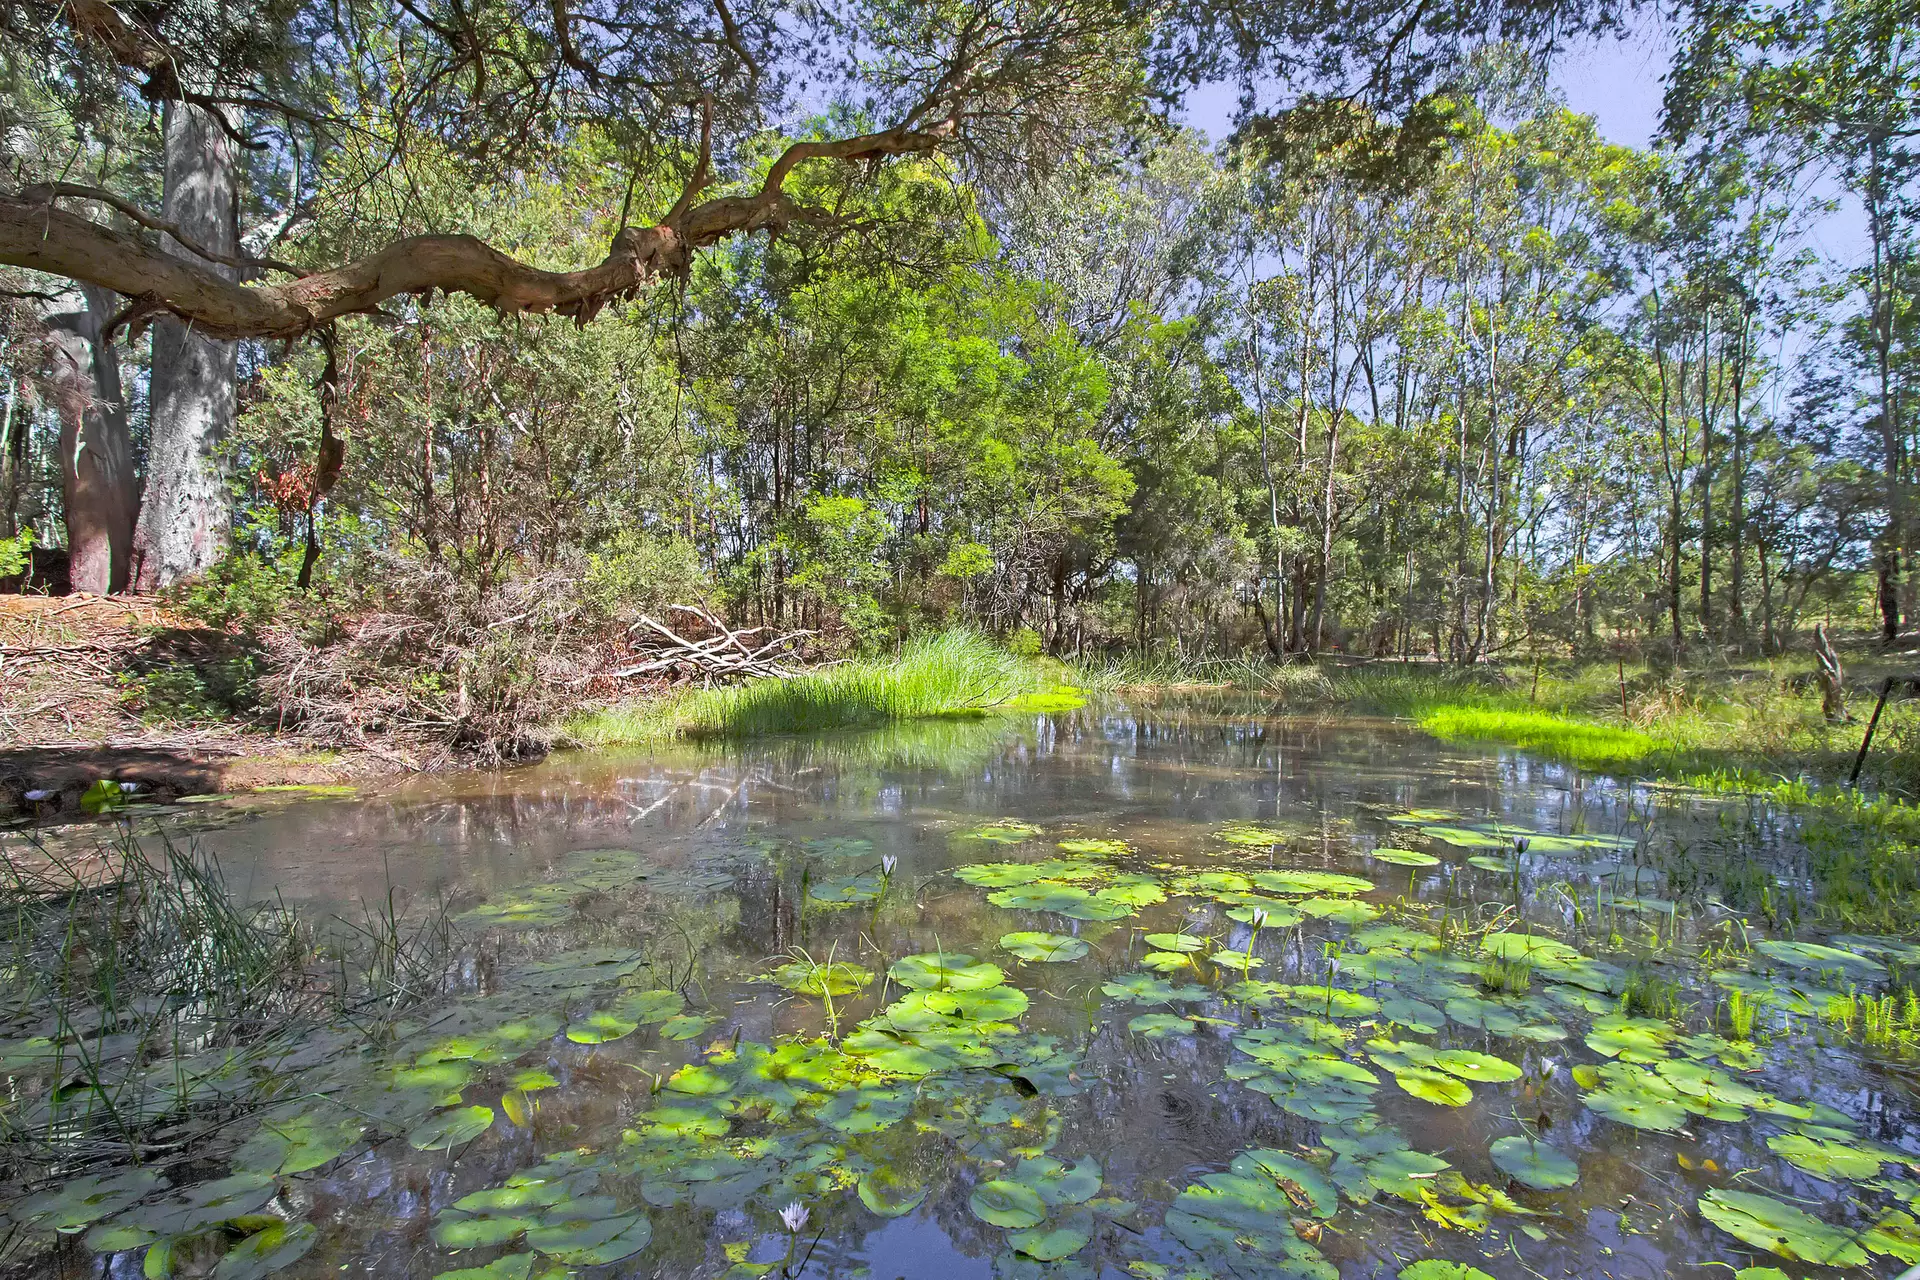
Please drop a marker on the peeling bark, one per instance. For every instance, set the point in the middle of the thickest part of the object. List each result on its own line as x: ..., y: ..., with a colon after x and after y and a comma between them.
x: 96, y: 453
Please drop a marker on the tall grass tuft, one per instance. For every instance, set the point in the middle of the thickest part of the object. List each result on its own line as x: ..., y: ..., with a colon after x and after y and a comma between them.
x: 150, y: 999
x: 954, y: 673
x: 1589, y: 745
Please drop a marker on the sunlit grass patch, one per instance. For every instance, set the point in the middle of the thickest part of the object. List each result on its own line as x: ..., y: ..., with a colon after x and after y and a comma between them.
x: 953, y: 674
x: 1576, y: 741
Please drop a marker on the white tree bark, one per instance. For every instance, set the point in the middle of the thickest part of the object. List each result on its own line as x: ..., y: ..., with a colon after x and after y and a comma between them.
x: 183, y: 521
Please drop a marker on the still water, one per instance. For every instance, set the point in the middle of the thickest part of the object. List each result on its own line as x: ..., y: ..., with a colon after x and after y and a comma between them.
x: 1174, y: 990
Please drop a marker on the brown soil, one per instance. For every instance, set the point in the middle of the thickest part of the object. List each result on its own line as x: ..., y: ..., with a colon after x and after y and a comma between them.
x: 66, y: 719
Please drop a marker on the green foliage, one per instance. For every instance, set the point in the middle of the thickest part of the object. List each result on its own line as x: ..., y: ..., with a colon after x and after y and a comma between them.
x: 203, y: 690
x: 640, y: 571
x: 16, y: 554
x: 242, y: 592
x: 955, y: 673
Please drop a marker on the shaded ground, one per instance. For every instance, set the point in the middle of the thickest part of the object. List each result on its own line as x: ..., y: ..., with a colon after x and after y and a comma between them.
x: 116, y: 687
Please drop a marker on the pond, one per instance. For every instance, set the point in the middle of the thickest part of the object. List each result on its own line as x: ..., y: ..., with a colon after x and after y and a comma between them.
x: 1179, y: 990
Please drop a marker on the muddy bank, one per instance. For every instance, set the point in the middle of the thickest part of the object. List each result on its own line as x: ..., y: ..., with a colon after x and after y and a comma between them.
x: 118, y: 688
x: 49, y: 781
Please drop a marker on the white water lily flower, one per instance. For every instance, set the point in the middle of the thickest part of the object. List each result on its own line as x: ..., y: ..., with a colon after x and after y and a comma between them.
x: 795, y: 1216
x: 888, y: 862
x: 37, y: 795
x: 1520, y: 844
x: 1259, y: 917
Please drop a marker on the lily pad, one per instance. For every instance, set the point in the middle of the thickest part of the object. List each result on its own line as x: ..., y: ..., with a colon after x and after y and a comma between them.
x: 1054, y: 948
x: 1533, y: 1163
x: 945, y: 971
x: 843, y: 891
x: 999, y: 875
x: 1434, y: 1269
x: 1097, y: 848
x: 1005, y: 831
x: 1834, y: 1161
x: 1160, y: 1026
x: 1433, y: 1086
x: 1403, y: 857
x: 1314, y: 882
x: 267, y: 1252
x: 1004, y: 1203
x: 583, y: 1234
x: 78, y: 1203
x: 834, y: 978
x: 1774, y: 1225
x: 889, y: 1193
x: 1250, y: 835
x: 451, y: 1128
x: 1811, y: 955
x: 1050, y: 1244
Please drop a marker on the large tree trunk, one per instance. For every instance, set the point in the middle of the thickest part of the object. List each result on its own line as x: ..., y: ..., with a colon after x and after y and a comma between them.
x: 96, y: 452
x: 183, y: 520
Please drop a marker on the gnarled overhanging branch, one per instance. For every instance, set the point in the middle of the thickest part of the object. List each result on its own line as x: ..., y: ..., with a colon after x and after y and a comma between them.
x: 36, y: 233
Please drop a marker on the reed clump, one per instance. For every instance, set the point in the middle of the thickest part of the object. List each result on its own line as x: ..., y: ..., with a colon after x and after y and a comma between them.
x: 953, y: 674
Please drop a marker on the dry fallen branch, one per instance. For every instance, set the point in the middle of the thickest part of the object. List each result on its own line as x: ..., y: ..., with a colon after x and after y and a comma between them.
x: 724, y: 655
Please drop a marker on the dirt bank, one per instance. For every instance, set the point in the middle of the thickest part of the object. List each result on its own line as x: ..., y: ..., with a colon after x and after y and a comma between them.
x: 85, y: 683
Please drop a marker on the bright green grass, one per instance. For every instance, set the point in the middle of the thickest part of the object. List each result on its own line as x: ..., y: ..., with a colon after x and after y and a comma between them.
x: 953, y: 674
x: 1581, y: 742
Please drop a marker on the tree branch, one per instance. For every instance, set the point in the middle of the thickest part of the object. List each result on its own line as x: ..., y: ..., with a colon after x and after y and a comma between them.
x: 48, y: 192
x: 36, y: 234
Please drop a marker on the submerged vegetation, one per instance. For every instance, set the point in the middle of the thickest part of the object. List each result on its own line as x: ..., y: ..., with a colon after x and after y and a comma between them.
x: 747, y: 1052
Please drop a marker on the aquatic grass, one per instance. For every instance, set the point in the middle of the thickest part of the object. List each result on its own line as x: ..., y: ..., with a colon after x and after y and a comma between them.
x: 1578, y: 742
x: 164, y: 1002
x: 953, y: 674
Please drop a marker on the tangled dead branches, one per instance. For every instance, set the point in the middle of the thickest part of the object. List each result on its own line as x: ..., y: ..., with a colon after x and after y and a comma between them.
x: 439, y: 671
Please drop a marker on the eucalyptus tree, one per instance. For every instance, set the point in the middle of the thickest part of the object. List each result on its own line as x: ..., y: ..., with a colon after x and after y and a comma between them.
x: 1839, y: 80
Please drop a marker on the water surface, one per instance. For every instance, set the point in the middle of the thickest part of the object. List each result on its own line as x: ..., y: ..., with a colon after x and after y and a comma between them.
x: 691, y: 999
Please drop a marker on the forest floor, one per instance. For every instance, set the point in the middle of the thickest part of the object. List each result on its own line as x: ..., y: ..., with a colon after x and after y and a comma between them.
x: 117, y: 687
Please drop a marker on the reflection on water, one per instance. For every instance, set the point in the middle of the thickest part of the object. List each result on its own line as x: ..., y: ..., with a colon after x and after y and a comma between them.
x: 1049, y: 998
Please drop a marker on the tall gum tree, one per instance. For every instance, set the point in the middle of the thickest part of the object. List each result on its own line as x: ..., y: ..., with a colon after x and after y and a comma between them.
x: 182, y: 529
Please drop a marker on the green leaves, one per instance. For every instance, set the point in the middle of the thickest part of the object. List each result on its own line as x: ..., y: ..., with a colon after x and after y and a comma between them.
x: 1402, y: 857
x: 1811, y: 955
x: 1044, y: 948
x: 1533, y: 1163
x: 75, y: 1204
x: 451, y: 1128
x: 1005, y: 1203
x: 948, y: 971
x: 1433, y: 1269
x: 805, y: 977
x: 1837, y: 1161
x: 890, y: 1193
x: 1767, y: 1223
x: 1433, y: 1086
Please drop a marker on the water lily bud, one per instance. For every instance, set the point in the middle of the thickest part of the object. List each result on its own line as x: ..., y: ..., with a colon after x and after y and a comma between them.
x: 888, y: 862
x: 1259, y: 917
x: 1520, y: 844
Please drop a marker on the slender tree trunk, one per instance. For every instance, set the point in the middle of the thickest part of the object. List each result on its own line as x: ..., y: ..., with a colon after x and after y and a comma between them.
x: 1706, y: 489
x: 96, y: 453
x: 182, y: 529
x: 1737, y: 516
x: 1326, y: 532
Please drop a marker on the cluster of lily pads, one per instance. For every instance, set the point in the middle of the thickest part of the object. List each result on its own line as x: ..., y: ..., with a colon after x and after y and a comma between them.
x: 1336, y: 1005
